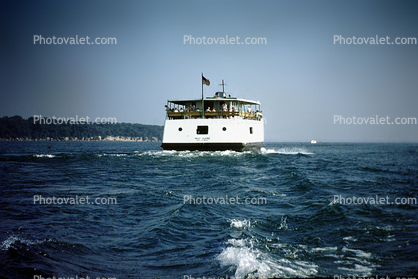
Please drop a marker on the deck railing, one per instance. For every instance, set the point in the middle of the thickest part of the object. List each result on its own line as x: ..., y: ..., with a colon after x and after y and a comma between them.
x: 217, y: 114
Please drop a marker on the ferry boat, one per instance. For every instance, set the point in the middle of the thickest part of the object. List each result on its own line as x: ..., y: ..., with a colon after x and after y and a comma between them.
x: 219, y: 122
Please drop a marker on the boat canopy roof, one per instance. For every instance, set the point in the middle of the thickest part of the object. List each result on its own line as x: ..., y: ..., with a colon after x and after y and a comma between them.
x: 215, y: 99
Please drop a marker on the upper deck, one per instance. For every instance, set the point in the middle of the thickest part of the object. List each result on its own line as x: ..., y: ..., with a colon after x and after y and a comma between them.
x: 218, y: 106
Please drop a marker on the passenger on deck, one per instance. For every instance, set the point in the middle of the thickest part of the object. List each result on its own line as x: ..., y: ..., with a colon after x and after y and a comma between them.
x: 258, y: 114
x: 213, y: 110
x: 225, y: 107
x: 208, y: 109
x: 176, y: 110
x: 191, y: 108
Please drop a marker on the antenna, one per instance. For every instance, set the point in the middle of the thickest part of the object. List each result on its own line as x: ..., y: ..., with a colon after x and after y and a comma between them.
x: 223, y: 86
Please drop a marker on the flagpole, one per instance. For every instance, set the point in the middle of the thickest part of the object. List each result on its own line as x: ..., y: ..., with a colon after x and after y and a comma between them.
x: 203, y: 108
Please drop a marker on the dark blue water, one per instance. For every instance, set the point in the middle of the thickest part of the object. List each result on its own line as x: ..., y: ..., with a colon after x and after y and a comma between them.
x: 166, y: 223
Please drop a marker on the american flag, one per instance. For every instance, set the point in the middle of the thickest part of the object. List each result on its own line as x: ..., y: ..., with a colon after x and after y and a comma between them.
x: 205, y: 81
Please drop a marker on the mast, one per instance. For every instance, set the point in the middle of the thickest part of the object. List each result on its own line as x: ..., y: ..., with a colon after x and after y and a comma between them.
x: 207, y: 82
x: 223, y: 88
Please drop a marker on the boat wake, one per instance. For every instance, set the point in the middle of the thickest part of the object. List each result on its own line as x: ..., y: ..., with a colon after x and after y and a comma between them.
x: 287, y: 151
x: 194, y: 154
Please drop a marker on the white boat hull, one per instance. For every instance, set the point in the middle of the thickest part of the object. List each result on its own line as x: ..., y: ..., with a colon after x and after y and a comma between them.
x: 234, y: 133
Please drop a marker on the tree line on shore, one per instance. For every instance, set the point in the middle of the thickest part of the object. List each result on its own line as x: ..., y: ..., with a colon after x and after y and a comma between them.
x: 17, y: 128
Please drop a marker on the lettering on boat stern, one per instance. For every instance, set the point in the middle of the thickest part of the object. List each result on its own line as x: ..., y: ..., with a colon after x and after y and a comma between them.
x: 202, y: 138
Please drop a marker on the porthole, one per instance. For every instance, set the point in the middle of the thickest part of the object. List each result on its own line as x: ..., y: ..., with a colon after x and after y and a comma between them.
x: 224, y: 129
x: 180, y: 129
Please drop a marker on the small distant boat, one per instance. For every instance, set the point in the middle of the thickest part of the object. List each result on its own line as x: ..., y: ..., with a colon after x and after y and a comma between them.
x: 313, y: 141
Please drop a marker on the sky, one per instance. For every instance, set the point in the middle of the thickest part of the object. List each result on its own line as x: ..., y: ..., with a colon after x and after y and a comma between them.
x: 307, y: 83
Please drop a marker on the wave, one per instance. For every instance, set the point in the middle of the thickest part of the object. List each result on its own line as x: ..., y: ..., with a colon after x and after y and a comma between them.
x: 254, y: 256
x: 166, y: 153
x: 225, y: 153
x: 12, y: 240
x: 26, y: 157
x: 240, y: 224
x: 252, y: 260
x: 113, y: 154
x: 44, y: 156
x: 194, y: 154
x: 287, y: 151
x: 42, y: 257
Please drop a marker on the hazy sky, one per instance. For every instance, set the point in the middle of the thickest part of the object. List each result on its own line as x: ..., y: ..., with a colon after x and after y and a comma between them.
x: 301, y: 78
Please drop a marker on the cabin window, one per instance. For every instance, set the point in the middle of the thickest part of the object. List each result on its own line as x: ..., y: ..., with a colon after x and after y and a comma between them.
x: 251, y: 130
x: 180, y: 129
x: 224, y: 129
x: 202, y: 130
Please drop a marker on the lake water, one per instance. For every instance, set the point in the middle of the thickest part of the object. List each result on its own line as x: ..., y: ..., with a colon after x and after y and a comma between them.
x: 292, y: 210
